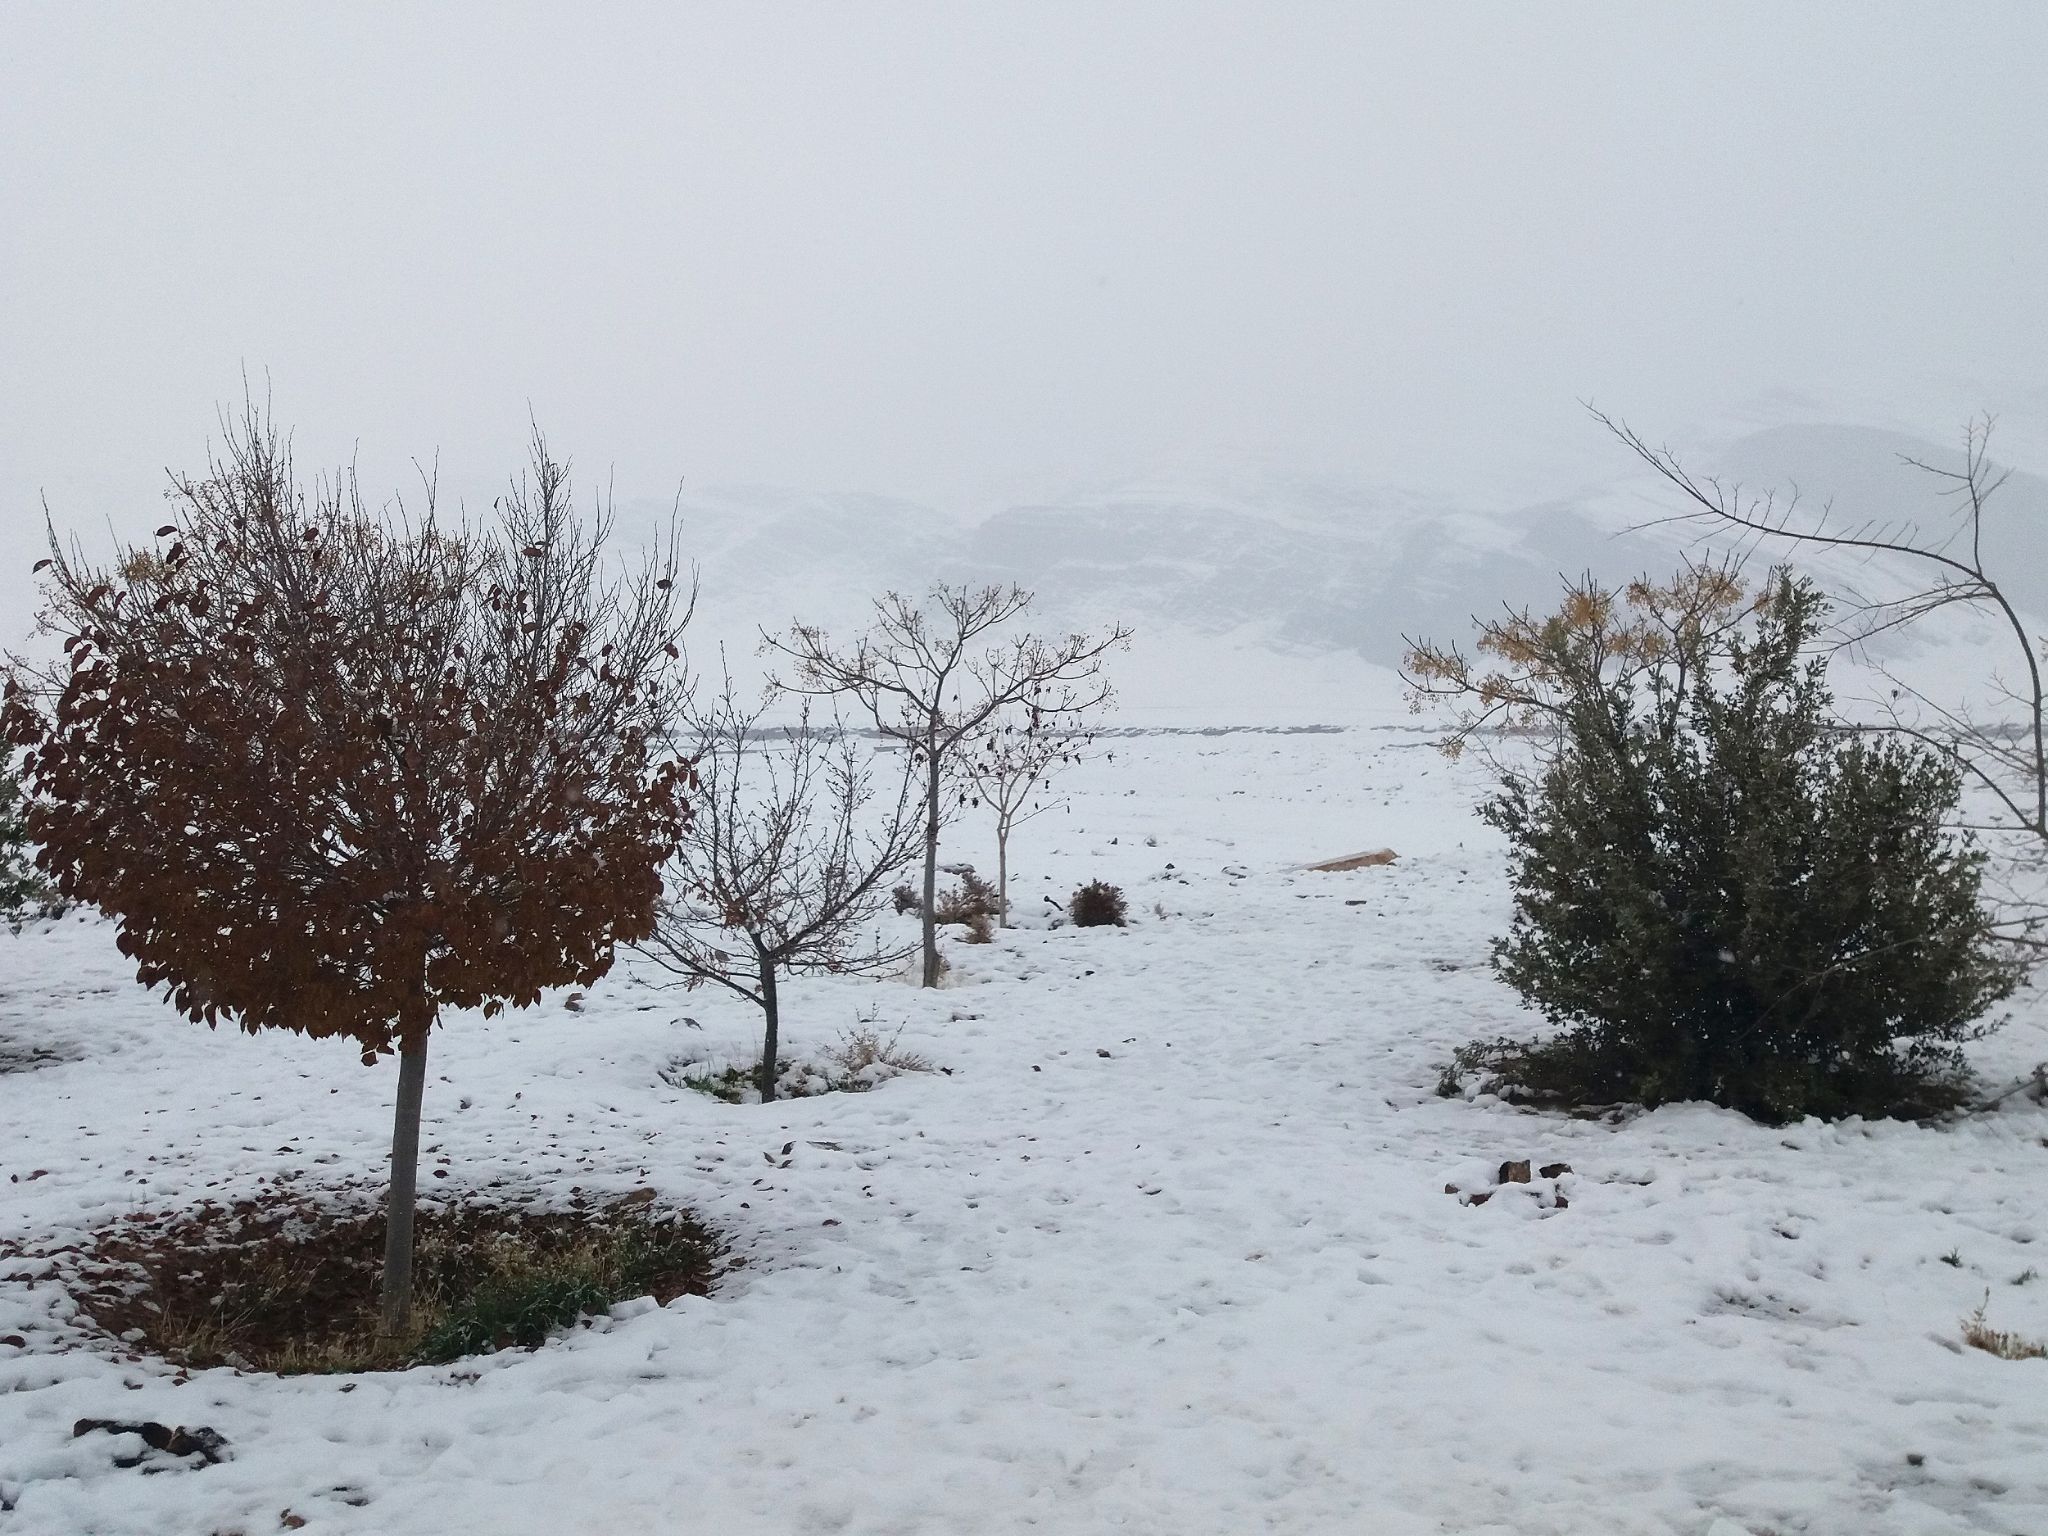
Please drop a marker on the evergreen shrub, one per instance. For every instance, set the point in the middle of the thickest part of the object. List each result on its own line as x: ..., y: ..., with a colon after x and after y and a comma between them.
x: 1720, y: 893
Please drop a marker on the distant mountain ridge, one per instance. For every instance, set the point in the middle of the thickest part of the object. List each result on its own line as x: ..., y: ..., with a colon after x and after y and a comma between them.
x: 1286, y: 601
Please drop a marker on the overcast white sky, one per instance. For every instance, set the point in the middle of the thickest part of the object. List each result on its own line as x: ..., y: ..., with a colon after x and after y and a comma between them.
x: 959, y: 252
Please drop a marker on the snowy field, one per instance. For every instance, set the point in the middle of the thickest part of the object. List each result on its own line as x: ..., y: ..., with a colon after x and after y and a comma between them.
x: 1168, y: 1252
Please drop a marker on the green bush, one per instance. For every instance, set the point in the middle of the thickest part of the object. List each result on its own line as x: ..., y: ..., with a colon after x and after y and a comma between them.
x: 524, y: 1293
x: 24, y: 893
x: 1719, y: 893
x: 517, y: 1309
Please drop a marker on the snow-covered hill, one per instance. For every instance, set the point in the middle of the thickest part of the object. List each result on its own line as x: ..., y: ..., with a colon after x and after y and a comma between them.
x: 1284, y: 600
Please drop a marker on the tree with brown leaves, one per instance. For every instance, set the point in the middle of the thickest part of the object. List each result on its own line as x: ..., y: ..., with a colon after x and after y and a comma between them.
x: 786, y: 863
x: 333, y: 771
x: 933, y: 676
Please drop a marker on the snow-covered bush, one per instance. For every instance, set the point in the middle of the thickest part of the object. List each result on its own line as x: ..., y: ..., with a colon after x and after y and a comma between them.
x: 1719, y: 894
x: 862, y: 1059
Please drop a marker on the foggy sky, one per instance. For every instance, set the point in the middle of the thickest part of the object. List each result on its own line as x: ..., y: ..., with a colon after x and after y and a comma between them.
x: 965, y: 252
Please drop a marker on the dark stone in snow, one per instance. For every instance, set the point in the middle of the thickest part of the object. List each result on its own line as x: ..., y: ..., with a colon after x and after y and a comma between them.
x: 181, y: 1441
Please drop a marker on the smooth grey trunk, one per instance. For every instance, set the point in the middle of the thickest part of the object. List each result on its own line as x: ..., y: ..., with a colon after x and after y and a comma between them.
x: 1002, y: 874
x: 405, y: 1176
x: 765, y: 1078
x: 931, y: 867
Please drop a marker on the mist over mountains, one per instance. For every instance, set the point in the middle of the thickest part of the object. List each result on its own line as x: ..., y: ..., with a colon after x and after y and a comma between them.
x: 1274, y: 599
x: 1271, y: 600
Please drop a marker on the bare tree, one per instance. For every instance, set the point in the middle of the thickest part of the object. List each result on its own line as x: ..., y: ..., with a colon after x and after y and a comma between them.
x: 932, y: 676
x: 332, y: 771
x: 786, y: 863
x: 2010, y: 765
x: 1011, y: 763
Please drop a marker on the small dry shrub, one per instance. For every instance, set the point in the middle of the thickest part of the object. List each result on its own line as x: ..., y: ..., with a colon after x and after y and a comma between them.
x: 972, y: 900
x: 1098, y: 904
x: 906, y: 899
x: 865, y: 1046
x: 1979, y: 1334
x: 287, y: 1280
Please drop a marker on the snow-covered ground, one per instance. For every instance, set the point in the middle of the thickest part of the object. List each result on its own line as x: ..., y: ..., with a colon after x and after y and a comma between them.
x: 1168, y: 1252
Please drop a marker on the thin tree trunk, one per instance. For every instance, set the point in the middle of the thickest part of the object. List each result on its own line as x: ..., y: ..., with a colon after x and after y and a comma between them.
x: 931, y: 868
x: 405, y: 1175
x: 766, y: 1077
x: 1002, y: 873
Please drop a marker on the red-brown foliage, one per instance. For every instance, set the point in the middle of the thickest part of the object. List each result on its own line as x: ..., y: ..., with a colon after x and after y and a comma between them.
x: 332, y: 771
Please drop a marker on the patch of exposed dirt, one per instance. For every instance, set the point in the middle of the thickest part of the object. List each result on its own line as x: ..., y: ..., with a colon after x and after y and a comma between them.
x: 288, y: 1279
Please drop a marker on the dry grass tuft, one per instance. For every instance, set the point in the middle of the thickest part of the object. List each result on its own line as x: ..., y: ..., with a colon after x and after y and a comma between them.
x: 865, y: 1047
x: 1979, y: 1334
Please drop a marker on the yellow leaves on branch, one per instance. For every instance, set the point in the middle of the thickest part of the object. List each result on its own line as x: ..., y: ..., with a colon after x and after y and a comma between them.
x: 1587, y: 609
x: 1595, y: 635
